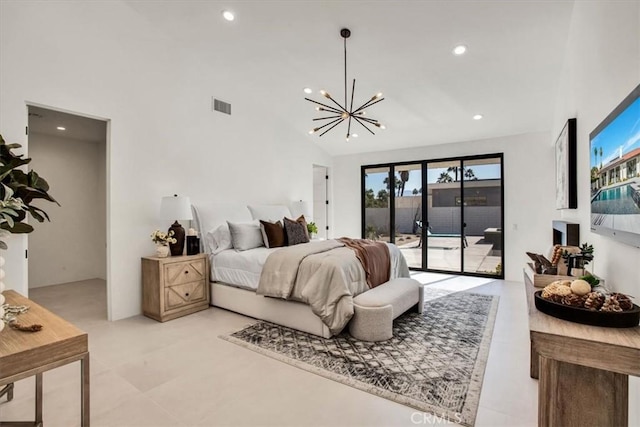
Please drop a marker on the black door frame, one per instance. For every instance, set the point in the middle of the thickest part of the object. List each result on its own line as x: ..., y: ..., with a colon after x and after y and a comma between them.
x: 425, y: 215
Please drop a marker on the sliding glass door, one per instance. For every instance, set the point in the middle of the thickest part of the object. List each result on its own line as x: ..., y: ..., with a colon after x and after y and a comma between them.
x: 443, y: 233
x: 445, y: 215
x: 408, y: 212
x: 376, y: 218
x: 482, y: 213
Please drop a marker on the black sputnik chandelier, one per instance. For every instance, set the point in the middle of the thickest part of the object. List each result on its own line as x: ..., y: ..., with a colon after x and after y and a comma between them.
x: 340, y: 113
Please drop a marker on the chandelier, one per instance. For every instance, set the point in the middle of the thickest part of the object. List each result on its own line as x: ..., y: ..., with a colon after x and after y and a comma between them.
x: 340, y: 113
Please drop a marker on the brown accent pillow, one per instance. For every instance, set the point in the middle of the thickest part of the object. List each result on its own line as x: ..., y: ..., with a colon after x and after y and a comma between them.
x: 296, y: 231
x: 301, y: 219
x: 272, y: 234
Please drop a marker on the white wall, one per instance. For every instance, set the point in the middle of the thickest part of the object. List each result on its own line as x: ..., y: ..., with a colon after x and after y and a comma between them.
x: 105, y: 60
x: 602, y: 66
x: 72, y: 246
x: 528, y: 189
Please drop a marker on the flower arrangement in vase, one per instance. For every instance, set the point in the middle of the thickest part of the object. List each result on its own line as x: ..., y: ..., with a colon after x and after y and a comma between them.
x: 162, y: 241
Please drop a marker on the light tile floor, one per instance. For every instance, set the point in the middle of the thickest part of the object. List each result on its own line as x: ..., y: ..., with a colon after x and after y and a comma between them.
x: 179, y: 373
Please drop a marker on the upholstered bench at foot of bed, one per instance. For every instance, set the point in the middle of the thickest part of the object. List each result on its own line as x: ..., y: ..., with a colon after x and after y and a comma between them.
x: 375, y: 310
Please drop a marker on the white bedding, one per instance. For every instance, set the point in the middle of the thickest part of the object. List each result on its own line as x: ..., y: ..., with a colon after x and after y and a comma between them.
x: 239, y: 268
x: 243, y: 268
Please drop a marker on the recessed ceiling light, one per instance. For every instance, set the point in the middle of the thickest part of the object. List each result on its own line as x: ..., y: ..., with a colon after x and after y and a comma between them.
x: 355, y: 135
x: 228, y: 15
x: 61, y: 128
x: 477, y: 117
x: 307, y: 90
x: 459, y: 50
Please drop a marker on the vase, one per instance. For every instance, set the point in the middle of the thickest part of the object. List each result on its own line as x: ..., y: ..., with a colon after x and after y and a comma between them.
x: 162, y: 251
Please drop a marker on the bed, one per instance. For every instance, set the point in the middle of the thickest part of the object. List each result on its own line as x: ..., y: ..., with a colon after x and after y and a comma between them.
x: 235, y: 275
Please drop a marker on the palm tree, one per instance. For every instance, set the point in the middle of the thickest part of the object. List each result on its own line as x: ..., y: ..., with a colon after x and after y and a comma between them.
x: 404, y: 177
x: 600, y: 157
x: 595, y: 154
x: 453, y: 169
x: 468, y: 173
x: 444, y: 177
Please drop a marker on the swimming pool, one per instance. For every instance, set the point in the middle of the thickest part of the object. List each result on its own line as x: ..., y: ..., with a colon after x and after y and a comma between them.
x: 621, y: 200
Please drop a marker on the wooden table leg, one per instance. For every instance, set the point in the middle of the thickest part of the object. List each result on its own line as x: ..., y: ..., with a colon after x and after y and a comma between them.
x: 573, y: 395
x: 38, y: 420
x: 8, y: 390
x: 534, y: 362
x: 84, y: 391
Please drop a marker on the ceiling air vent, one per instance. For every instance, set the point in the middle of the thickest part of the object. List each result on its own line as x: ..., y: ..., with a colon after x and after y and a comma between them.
x: 221, y: 106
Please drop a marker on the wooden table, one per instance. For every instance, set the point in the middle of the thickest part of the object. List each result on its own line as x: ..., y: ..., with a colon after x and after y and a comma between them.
x: 26, y: 354
x: 583, y: 370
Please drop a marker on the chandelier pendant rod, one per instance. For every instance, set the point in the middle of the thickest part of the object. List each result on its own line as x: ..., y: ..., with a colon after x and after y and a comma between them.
x: 337, y: 122
x: 368, y: 104
x: 363, y: 125
x: 328, y: 107
x: 328, y: 117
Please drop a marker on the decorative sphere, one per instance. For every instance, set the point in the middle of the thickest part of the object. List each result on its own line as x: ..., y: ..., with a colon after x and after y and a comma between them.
x: 2, y: 261
x: 2, y: 274
x: 1, y: 312
x: 580, y: 287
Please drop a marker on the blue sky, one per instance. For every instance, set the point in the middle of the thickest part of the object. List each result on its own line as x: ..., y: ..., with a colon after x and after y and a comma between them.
x: 623, y: 133
x: 375, y: 180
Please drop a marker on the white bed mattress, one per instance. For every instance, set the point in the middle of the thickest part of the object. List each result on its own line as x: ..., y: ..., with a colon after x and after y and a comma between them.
x: 239, y: 268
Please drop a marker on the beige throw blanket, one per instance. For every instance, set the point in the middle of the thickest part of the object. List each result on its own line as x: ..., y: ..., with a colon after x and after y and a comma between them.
x: 325, y: 274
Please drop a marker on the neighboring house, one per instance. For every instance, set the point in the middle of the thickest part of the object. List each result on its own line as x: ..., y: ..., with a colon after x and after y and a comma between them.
x: 624, y: 167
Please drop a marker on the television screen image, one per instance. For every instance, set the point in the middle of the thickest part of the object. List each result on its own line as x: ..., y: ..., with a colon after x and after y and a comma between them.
x: 615, y: 173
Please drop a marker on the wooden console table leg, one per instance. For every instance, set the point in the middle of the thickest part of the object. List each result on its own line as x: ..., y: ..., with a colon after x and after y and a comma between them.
x: 38, y: 420
x: 573, y: 395
x: 535, y: 362
x: 8, y: 390
x: 84, y: 391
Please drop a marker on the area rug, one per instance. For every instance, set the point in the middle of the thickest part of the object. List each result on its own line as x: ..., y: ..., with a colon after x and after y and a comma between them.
x: 435, y: 362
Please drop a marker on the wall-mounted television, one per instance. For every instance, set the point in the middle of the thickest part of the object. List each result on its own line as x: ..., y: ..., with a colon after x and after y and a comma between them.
x: 615, y: 172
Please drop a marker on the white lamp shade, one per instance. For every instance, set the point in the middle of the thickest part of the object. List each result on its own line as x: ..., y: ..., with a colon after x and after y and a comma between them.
x: 301, y: 208
x: 175, y: 208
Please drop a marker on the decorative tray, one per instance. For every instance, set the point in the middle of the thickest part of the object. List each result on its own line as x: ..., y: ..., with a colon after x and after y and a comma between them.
x: 621, y: 319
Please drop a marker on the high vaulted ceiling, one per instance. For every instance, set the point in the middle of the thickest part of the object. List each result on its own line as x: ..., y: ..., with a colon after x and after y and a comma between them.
x: 274, y: 49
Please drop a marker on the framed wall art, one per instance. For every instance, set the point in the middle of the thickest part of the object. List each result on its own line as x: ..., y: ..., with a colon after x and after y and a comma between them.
x: 566, y: 167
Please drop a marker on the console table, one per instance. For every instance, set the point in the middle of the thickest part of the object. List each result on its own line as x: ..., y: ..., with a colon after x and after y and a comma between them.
x: 25, y: 354
x: 583, y: 370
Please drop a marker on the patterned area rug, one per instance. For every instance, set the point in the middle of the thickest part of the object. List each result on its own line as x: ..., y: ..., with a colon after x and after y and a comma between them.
x: 435, y: 362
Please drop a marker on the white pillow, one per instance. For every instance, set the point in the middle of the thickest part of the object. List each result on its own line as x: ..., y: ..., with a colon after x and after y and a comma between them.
x: 271, y: 213
x: 245, y: 236
x: 219, y: 239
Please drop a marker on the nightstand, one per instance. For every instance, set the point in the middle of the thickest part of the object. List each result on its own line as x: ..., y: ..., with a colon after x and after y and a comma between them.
x: 174, y: 286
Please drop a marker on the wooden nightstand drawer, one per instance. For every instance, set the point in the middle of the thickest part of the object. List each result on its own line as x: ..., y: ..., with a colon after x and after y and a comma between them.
x: 174, y: 286
x: 185, y: 294
x: 184, y: 272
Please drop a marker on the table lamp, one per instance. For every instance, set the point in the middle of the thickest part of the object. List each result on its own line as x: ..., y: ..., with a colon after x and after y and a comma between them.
x: 174, y: 208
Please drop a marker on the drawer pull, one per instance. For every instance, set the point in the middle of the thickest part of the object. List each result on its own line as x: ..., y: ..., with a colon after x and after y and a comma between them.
x: 186, y: 272
x: 187, y: 294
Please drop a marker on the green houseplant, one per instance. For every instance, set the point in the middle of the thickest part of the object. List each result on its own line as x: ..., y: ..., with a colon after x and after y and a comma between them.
x: 17, y: 192
x: 23, y: 188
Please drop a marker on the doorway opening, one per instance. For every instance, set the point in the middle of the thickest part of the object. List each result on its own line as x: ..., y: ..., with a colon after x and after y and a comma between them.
x: 67, y: 257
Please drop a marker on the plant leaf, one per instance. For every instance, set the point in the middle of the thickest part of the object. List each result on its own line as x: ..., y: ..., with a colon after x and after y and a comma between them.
x: 18, y: 228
